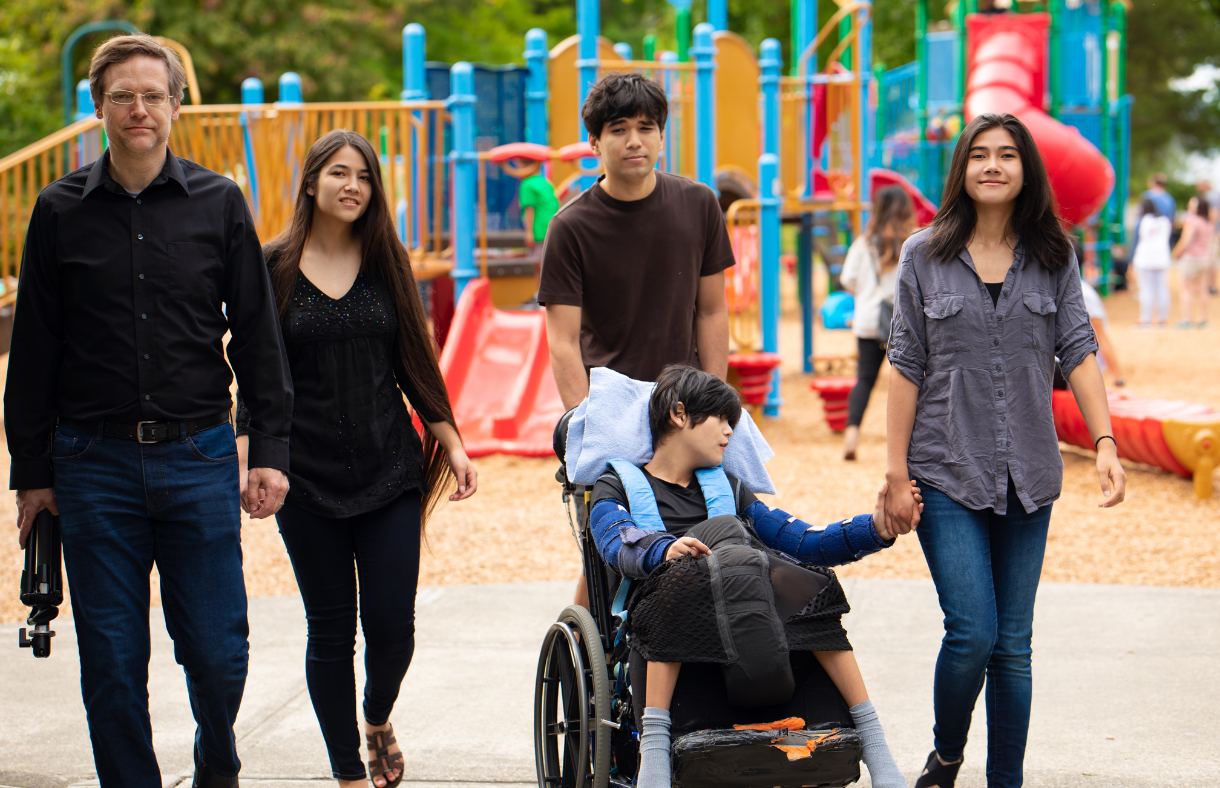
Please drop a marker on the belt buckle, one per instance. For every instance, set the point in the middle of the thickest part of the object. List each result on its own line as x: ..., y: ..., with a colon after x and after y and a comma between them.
x: 140, y: 432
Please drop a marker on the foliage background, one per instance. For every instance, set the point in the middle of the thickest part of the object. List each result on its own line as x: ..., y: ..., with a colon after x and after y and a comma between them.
x: 352, y: 50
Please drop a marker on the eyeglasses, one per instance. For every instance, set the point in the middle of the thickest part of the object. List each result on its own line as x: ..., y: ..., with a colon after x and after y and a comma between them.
x: 153, y: 99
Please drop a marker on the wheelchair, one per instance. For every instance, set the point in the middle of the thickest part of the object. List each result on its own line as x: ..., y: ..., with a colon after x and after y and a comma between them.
x: 585, y: 729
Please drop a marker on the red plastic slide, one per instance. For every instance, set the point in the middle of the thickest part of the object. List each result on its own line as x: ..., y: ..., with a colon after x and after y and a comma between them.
x: 497, y: 367
x: 1007, y: 73
x: 879, y: 178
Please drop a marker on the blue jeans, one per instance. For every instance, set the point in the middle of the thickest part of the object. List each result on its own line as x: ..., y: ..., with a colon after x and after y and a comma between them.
x: 986, y: 569
x: 124, y: 506
x: 380, y: 549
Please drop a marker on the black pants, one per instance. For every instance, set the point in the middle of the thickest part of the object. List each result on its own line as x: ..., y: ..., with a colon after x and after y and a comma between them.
x: 383, y: 545
x: 871, y: 355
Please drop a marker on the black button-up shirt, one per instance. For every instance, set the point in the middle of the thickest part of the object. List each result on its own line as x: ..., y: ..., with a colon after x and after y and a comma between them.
x: 984, y: 373
x: 122, y: 308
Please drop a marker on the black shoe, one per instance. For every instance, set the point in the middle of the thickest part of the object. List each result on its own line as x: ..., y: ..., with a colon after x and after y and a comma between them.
x: 939, y: 774
x: 206, y: 778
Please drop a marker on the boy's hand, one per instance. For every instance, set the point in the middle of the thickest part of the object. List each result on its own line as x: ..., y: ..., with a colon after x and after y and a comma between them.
x: 686, y: 545
x: 882, y: 525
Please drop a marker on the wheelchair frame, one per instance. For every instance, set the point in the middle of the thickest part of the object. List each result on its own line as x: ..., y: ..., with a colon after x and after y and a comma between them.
x: 582, y: 705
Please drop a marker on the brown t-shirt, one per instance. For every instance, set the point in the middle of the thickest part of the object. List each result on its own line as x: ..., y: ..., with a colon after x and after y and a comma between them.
x: 633, y: 268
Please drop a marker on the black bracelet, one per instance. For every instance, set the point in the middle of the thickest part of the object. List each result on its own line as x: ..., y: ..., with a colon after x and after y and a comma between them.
x: 1097, y: 442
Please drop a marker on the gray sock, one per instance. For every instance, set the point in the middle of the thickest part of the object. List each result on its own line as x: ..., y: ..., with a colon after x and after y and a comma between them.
x: 881, y: 767
x: 654, y: 749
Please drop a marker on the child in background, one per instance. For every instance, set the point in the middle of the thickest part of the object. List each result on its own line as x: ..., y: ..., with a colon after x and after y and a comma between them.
x: 1193, y: 254
x: 1150, y: 261
x: 538, y: 204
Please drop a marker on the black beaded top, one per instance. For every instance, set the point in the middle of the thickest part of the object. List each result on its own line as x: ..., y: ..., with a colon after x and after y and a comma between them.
x: 353, y: 447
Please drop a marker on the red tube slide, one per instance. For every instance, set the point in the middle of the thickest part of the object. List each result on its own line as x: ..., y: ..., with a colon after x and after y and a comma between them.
x: 1007, y: 73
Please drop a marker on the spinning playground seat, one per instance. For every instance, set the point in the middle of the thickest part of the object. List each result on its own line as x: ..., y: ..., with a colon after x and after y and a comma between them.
x: 589, y: 690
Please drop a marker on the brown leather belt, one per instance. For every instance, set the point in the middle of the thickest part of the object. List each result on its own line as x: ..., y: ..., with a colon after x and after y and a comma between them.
x: 151, y: 431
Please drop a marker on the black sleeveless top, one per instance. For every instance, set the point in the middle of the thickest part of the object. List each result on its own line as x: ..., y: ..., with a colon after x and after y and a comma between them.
x: 353, y: 448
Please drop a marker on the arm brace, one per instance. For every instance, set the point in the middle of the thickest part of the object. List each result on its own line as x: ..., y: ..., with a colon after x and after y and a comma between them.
x: 840, y: 542
x: 627, y: 548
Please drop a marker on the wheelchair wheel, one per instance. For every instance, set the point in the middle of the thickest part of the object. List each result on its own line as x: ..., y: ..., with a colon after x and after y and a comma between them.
x: 572, y: 705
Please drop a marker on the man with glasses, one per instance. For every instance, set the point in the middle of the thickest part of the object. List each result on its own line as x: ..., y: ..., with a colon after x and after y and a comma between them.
x: 117, y: 411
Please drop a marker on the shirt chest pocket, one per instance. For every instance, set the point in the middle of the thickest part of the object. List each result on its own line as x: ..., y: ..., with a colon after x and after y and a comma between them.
x: 195, y: 273
x: 1039, y: 314
x: 944, y: 324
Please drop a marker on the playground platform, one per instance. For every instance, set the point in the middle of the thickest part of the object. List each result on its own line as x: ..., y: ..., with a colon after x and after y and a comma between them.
x: 1125, y: 695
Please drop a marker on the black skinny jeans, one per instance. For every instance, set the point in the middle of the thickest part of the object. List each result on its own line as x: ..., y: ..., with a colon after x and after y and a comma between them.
x: 871, y: 354
x: 384, y: 546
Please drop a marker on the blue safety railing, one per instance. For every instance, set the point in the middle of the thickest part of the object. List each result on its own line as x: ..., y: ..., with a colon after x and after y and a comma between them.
x: 499, y: 118
x: 1079, y: 55
x: 943, y: 64
x: 923, y: 163
x: 1085, y: 120
x: 899, y: 99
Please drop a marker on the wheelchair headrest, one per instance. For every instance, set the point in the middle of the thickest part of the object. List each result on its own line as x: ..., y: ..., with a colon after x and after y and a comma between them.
x: 560, y: 440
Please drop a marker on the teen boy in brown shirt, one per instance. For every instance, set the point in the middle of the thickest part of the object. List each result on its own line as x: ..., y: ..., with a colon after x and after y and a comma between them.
x: 633, y: 267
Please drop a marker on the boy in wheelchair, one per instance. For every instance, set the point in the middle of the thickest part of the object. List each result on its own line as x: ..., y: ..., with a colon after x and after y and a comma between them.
x: 726, y: 579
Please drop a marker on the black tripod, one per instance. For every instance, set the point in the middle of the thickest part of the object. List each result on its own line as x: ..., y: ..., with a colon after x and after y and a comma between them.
x: 42, y: 583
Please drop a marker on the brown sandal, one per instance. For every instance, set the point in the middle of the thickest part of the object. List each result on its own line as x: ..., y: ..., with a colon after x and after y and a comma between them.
x: 384, y: 762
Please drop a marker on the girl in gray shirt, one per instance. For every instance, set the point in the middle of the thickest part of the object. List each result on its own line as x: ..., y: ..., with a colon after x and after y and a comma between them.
x: 987, y: 297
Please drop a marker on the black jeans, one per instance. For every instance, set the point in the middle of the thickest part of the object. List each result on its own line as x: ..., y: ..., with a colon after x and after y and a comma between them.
x: 383, y: 545
x: 869, y: 364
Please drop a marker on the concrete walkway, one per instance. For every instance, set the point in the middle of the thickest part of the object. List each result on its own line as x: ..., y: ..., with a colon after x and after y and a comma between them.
x: 1127, y: 690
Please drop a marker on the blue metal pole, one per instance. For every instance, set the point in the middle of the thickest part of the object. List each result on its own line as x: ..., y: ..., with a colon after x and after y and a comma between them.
x: 704, y: 52
x: 588, y: 27
x: 864, y: 66
x: 251, y: 93
x: 290, y: 89
x: 673, y: 124
x: 718, y: 14
x: 537, y: 93
x: 465, y: 163
x: 84, y: 101
x: 768, y: 260
x: 807, y: 31
x: 414, y: 77
x: 771, y: 64
x: 623, y: 50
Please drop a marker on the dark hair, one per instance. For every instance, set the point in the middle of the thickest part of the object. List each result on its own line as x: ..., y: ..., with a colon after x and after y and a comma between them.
x: 1160, y: 179
x: 1202, y: 208
x: 1034, y: 217
x: 385, y: 258
x: 702, y: 395
x: 620, y: 95
x: 1148, y: 207
x: 889, y: 224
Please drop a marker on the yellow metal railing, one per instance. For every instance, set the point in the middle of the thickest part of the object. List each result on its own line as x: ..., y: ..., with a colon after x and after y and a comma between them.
x: 742, y: 282
x: 228, y: 139
x: 27, y: 172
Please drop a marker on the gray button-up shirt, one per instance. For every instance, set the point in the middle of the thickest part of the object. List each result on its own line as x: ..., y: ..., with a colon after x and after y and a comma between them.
x: 984, y: 373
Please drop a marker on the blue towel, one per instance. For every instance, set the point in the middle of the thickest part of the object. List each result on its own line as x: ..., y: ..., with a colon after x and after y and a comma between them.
x: 612, y: 424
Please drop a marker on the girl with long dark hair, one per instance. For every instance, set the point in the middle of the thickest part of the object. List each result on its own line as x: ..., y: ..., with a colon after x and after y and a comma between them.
x: 362, y: 482
x: 987, y: 297
x: 870, y: 273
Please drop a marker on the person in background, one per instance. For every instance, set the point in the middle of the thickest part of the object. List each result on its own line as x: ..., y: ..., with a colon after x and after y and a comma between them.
x: 987, y: 298
x: 870, y: 273
x: 363, y: 483
x: 1193, y: 253
x: 1150, y: 263
x: 1212, y: 195
x: 1162, y: 201
x: 538, y: 204
x: 1107, y: 357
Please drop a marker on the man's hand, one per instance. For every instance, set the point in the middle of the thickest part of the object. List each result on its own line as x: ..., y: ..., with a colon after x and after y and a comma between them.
x: 686, y: 545
x: 29, y: 504
x: 882, y: 524
x: 265, y: 491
